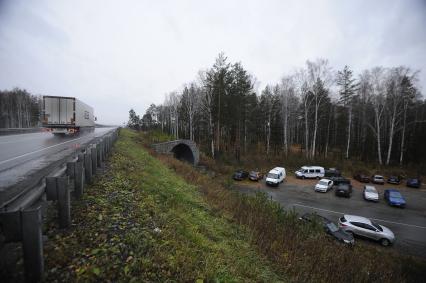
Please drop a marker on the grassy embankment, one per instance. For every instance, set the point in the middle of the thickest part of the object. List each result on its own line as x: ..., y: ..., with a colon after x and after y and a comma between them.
x: 143, y: 221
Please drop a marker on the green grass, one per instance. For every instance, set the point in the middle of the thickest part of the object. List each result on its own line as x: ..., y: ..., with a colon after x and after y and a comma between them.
x: 142, y: 222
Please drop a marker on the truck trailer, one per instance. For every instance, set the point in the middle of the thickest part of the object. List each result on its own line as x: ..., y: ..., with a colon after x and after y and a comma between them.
x: 67, y: 115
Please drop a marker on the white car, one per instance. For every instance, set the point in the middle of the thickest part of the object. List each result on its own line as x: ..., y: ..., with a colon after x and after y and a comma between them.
x: 324, y: 185
x: 364, y: 227
x: 370, y: 193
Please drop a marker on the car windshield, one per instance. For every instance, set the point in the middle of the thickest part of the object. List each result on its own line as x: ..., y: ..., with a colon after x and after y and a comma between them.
x: 378, y: 177
x: 323, y: 183
x: 370, y: 190
x: 377, y: 226
x: 332, y: 227
x: 253, y: 173
x: 272, y: 175
x: 395, y: 195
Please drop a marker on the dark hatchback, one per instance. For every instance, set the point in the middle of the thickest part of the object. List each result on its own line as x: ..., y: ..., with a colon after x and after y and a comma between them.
x: 394, y: 180
x: 414, y: 183
x: 240, y: 175
x: 330, y: 228
x: 343, y: 190
x: 362, y: 178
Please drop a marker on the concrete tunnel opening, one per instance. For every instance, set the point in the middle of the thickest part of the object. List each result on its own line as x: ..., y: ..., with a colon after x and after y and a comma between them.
x: 184, y: 153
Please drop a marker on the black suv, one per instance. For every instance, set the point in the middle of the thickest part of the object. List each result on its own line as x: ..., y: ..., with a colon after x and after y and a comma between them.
x: 240, y: 175
x: 343, y: 190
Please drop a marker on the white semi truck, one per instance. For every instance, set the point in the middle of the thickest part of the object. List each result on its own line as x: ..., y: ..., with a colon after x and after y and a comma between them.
x: 67, y: 115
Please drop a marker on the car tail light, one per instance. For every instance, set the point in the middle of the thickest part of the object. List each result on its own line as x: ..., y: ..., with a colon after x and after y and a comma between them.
x: 343, y: 225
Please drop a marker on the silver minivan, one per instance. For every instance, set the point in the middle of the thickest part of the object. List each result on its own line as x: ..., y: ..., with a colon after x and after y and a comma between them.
x: 364, y: 227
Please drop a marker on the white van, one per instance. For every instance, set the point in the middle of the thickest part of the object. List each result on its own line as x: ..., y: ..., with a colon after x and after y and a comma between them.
x: 275, y: 176
x: 310, y: 172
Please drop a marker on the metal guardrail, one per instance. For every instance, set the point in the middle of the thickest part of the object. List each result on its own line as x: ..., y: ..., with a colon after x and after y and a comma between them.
x: 22, y: 219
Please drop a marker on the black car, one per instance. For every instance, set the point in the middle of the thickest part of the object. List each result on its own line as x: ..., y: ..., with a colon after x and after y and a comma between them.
x: 414, y: 182
x: 240, y: 175
x: 340, y: 180
x: 330, y: 228
x: 362, y: 178
x: 343, y: 190
x: 332, y: 172
x: 394, y: 180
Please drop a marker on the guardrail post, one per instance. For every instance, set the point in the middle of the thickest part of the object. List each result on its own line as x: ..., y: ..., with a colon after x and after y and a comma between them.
x: 57, y: 189
x: 104, y: 147
x: 79, y: 179
x: 94, y: 158
x: 64, y: 204
x: 32, y: 244
x: 71, y: 169
x: 88, y: 167
x: 99, y: 155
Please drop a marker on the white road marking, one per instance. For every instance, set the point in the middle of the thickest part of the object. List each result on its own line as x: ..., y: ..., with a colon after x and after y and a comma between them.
x: 337, y: 212
x: 29, y: 153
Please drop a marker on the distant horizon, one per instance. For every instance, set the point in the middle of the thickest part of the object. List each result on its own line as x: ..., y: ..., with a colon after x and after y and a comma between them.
x: 118, y: 57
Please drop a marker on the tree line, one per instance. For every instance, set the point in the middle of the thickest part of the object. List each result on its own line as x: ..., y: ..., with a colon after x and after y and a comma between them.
x: 378, y: 114
x: 19, y: 109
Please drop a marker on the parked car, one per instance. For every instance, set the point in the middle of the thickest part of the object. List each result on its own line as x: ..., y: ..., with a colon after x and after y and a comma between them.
x: 275, y: 176
x: 330, y: 228
x: 255, y: 176
x: 240, y: 175
x: 343, y: 190
x: 310, y: 172
x: 378, y: 179
x: 414, y: 182
x: 324, y: 185
x: 370, y: 193
x: 332, y: 172
x: 394, y: 180
x: 340, y: 180
x: 362, y: 178
x: 394, y: 198
x: 364, y: 227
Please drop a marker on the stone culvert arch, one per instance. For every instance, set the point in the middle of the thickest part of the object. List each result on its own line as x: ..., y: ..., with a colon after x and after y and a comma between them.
x: 185, y: 150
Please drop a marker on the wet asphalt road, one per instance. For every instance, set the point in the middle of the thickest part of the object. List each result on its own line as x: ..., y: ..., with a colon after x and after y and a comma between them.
x: 24, y: 154
x: 17, y: 149
x: 408, y: 225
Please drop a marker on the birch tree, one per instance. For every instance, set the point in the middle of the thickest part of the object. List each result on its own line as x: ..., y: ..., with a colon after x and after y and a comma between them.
x: 347, y: 92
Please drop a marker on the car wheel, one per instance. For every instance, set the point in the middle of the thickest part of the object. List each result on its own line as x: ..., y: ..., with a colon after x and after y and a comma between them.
x: 303, y: 177
x: 384, y: 242
x: 318, y: 178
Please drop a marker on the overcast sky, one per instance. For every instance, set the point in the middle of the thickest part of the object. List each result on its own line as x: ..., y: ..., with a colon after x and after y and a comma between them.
x: 117, y: 55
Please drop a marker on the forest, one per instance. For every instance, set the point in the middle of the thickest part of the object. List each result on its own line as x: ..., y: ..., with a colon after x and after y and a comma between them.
x: 19, y: 109
x: 315, y: 111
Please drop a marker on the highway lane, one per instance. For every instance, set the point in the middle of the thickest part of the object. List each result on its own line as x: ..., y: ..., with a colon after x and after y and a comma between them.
x: 408, y: 225
x: 18, y: 149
